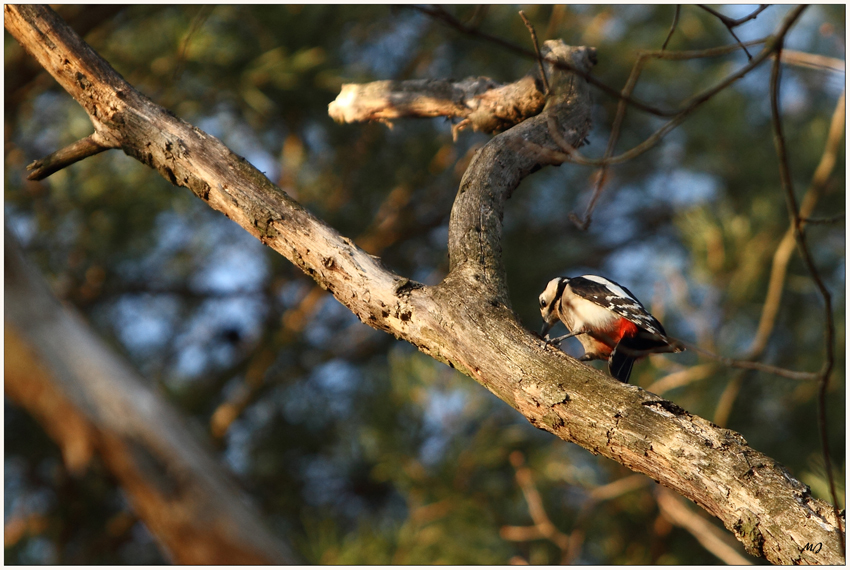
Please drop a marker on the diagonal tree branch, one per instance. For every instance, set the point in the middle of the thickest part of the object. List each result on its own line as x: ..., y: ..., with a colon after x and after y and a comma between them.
x: 465, y: 321
x: 92, y: 403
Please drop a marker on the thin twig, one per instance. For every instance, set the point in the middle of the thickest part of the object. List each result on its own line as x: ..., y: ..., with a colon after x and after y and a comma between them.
x: 813, y: 61
x: 681, y: 378
x: 572, y: 155
x: 708, y: 535
x: 442, y: 15
x: 675, y: 345
x: 643, y: 56
x: 672, y: 26
x: 730, y: 23
x: 619, y: 487
x: 197, y: 23
x: 537, y: 50
x: 726, y: 402
x: 543, y: 527
x: 64, y: 157
x: 800, y: 236
x: 749, y: 365
x: 782, y: 256
x: 831, y: 220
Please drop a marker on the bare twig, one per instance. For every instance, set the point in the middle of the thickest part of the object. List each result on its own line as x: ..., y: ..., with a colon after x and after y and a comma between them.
x: 672, y: 26
x: 781, y: 258
x: 573, y: 155
x: 74, y: 152
x: 570, y: 154
x: 543, y: 527
x: 708, y: 535
x: 537, y: 50
x: 800, y: 237
x: 769, y: 49
x: 727, y: 398
x: 619, y: 487
x: 749, y: 365
x: 813, y: 61
x: 786, y: 245
x: 732, y: 22
x: 681, y: 378
x: 600, y: 176
x: 442, y: 15
x: 197, y: 23
x: 830, y: 220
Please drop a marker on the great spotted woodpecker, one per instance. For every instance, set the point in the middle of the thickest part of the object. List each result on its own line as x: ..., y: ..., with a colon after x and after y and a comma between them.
x: 607, y: 319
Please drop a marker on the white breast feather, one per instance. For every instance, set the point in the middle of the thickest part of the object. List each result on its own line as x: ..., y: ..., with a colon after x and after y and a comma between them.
x: 586, y: 314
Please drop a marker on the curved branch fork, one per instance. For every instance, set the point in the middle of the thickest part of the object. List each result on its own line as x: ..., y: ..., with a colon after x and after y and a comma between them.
x: 465, y: 321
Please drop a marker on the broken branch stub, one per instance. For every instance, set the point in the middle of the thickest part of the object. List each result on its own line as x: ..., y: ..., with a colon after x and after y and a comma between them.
x: 480, y: 102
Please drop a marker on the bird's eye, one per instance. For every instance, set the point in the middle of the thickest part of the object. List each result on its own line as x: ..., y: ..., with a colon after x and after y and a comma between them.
x: 542, y: 303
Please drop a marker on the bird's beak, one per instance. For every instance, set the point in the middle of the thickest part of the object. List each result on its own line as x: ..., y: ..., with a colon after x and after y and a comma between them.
x: 544, y: 332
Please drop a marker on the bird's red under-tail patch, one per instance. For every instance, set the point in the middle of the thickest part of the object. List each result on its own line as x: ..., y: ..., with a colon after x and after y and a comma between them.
x: 626, y: 328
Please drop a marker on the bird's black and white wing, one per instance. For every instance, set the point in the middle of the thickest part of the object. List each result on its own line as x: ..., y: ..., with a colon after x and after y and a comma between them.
x: 616, y: 298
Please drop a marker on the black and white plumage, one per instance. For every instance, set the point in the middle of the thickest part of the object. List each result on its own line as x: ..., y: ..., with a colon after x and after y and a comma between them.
x: 607, y: 319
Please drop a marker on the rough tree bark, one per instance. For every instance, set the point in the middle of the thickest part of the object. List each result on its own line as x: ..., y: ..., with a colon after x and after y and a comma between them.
x: 466, y: 321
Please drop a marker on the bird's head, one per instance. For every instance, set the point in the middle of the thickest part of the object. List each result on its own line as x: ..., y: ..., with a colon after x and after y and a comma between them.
x: 549, y: 301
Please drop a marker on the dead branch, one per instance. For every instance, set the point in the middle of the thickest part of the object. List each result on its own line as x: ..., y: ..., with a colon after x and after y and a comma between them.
x: 465, y: 321
x: 92, y: 404
x: 481, y: 103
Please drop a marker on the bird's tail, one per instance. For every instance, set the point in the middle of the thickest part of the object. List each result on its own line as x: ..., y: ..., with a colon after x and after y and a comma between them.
x: 620, y: 365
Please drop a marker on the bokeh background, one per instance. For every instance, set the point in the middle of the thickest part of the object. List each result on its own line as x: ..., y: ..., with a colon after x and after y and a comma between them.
x: 356, y: 447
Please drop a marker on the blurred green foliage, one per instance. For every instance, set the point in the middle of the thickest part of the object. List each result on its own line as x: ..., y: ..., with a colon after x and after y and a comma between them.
x: 357, y: 448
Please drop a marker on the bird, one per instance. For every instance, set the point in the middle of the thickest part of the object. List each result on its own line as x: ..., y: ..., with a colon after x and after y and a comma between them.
x: 606, y: 318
